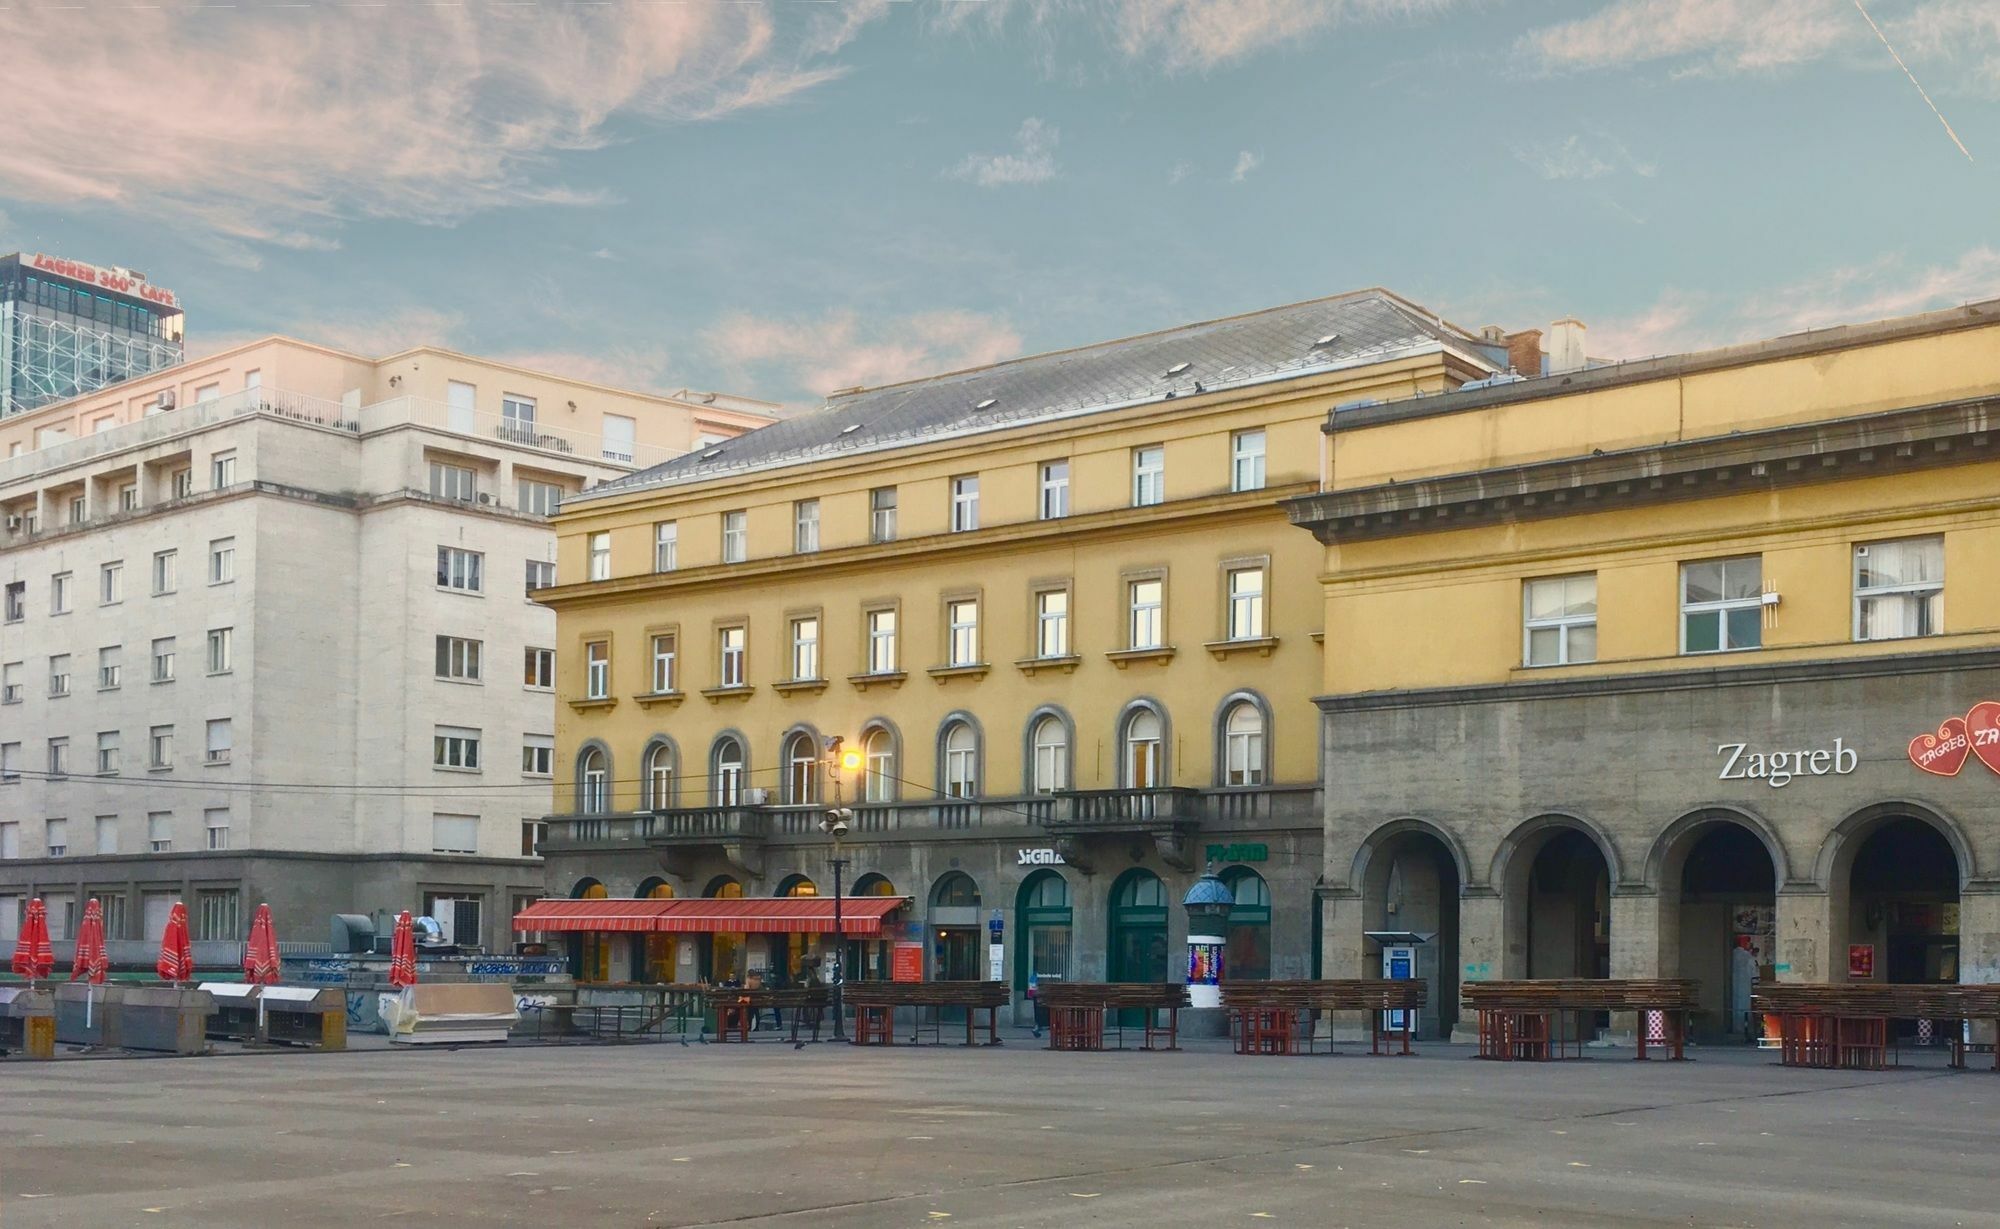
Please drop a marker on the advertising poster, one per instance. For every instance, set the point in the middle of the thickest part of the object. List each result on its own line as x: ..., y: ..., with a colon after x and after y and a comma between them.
x: 906, y: 963
x: 1860, y: 961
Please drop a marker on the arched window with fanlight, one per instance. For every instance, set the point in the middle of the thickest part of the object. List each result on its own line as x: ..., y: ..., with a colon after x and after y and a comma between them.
x: 961, y: 760
x: 801, y: 756
x: 1248, y: 939
x: 658, y: 776
x: 593, y: 781
x: 878, y: 765
x: 1243, y: 744
x: 1048, y: 755
x: 1144, y: 753
x: 727, y: 770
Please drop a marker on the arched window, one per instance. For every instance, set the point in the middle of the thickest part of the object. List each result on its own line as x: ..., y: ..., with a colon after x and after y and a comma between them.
x: 955, y: 891
x: 798, y: 885
x: 593, y: 782
x: 1145, y: 750
x: 878, y: 762
x: 726, y: 769
x: 961, y: 761
x: 1248, y: 941
x: 659, y: 776
x: 1243, y: 745
x: 1048, y: 750
x: 802, y: 769
x: 1138, y: 949
x: 873, y: 884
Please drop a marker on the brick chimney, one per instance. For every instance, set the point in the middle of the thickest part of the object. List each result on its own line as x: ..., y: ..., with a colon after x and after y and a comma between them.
x: 1524, y: 351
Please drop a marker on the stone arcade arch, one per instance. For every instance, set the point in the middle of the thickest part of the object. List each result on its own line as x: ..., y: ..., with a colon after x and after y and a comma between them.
x: 1893, y: 874
x: 1411, y: 874
x: 1716, y: 873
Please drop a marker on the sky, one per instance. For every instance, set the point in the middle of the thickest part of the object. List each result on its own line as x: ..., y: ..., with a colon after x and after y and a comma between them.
x: 781, y: 198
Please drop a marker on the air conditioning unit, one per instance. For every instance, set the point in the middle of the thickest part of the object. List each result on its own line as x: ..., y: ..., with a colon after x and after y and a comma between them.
x: 485, y: 498
x: 167, y: 399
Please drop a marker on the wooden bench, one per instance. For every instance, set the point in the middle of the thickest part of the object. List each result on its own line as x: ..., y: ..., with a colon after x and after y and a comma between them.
x: 1530, y: 1020
x: 1266, y: 1017
x: 737, y: 1010
x: 875, y: 1005
x: 1077, y: 1012
x: 1846, y: 1024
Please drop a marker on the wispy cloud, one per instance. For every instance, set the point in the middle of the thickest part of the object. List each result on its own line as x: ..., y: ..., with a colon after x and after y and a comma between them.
x: 370, y: 334
x: 1579, y: 157
x: 1179, y: 171
x: 820, y: 354
x: 1031, y: 161
x: 1727, y: 35
x: 1246, y: 162
x: 280, y: 126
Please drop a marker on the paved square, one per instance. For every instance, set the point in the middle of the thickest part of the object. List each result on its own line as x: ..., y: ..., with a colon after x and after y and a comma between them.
x: 840, y: 1137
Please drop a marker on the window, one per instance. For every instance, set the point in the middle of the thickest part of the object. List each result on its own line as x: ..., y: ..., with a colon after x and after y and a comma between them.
x: 1148, y: 598
x: 728, y: 773
x: 1149, y: 475
x: 206, y: 393
x: 538, y: 668
x: 735, y: 537
x: 517, y: 418
x: 107, y: 843
x: 216, y: 821
x: 57, y: 838
x: 222, y: 561
x: 664, y: 677
x: 1899, y: 589
x: 216, y: 915
x: 882, y: 514
x: 455, y: 747
x: 597, y: 670
x: 538, y: 755
x: 882, y: 653
x: 878, y: 759
x: 1246, y: 603
x: 1052, y: 623
x: 59, y: 674
x: 458, y: 482
x: 79, y: 508
x: 805, y: 526
x: 128, y: 497
x: 533, y: 833
x: 666, y: 546
x: 731, y: 640
x: 164, y: 571
x: 111, y: 584
x: 962, y: 627
x: 801, y: 769
x: 541, y: 575
x: 620, y: 436
x: 600, y: 556
x: 1055, y: 490
x: 659, y: 776
x: 1246, y: 461
x: 221, y: 650
x: 10, y: 762
x: 17, y: 601
x: 454, y: 834
x: 1143, y: 750
x: 220, y: 742
x: 160, y: 831
x: 110, y: 667
x: 965, y: 503
x: 460, y: 569
x: 10, y: 683
x: 458, y: 659
x: 961, y: 761
x: 183, y: 483
x: 163, y: 660
x: 59, y: 593
x: 10, y: 841
x: 593, y: 782
x: 222, y: 471
x: 160, y: 747
x: 1049, y: 747
x: 805, y: 648
x: 1722, y: 605
x: 1561, y: 620
x: 59, y: 757
x: 538, y: 498
x: 1243, y: 745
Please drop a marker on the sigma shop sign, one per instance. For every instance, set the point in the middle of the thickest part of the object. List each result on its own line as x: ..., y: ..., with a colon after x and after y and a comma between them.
x: 1777, y: 768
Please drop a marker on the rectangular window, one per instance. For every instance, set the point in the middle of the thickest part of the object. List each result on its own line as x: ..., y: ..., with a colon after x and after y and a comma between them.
x: 57, y: 838
x: 128, y: 497
x: 805, y: 648
x: 159, y: 839
x: 517, y: 418
x: 458, y: 482
x: 110, y: 667
x: 216, y: 915
x: 620, y: 438
x: 10, y: 842
x: 962, y: 627
x: 107, y: 753
x: 10, y: 683
x: 600, y: 556
x: 965, y: 503
x: 664, y: 677
x: 533, y: 833
x: 882, y: 514
x: 538, y: 498
x: 666, y: 546
x: 805, y: 526
x: 221, y: 741
x: 597, y: 670
x: 882, y: 654
x: 10, y: 762
x: 216, y: 821
x: 1149, y: 475
x: 735, y: 537
x: 164, y: 571
x: 59, y: 593
x: 163, y: 660
x: 1246, y: 603
x: 1560, y: 620
x: 458, y: 659
x: 160, y: 747
x: 1899, y: 589
x: 460, y: 569
x: 538, y: 755
x: 731, y: 641
x: 17, y: 601
x: 222, y: 471
x: 455, y: 747
x: 79, y: 509
x: 541, y: 575
x: 1055, y: 490
x: 1148, y: 619
x: 461, y: 407
x: 454, y: 834
x: 222, y: 561
x: 107, y: 843
x: 1052, y: 623
x: 221, y: 650
x: 183, y: 483
x: 111, y: 584
x: 1246, y: 461
x: 538, y: 668
x: 59, y: 674
x: 1722, y: 605
x: 59, y: 757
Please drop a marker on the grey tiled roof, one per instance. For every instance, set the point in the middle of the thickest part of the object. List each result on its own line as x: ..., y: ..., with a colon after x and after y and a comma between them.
x: 1347, y: 330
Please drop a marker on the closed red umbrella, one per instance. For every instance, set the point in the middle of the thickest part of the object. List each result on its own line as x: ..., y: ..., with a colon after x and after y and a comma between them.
x: 176, y: 961
x: 260, y: 955
x: 33, y: 956
x: 403, y: 953
x: 92, y: 960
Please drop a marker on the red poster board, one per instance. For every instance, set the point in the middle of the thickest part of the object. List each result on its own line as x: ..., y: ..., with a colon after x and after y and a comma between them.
x: 1861, y: 960
x: 906, y: 962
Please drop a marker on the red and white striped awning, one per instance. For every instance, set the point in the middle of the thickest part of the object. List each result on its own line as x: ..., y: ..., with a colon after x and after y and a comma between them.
x: 861, y: 917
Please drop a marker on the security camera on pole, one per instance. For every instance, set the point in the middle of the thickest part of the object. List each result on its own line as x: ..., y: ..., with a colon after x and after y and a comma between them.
x: 834, y: 823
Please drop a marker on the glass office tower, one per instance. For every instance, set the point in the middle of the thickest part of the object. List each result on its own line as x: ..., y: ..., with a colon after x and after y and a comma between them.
x: 68, y: 328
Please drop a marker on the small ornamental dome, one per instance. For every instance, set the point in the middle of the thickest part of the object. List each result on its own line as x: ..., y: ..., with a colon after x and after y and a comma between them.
x: 1209, y: 892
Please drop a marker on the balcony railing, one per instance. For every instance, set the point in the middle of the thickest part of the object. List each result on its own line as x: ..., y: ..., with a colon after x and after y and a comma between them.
x: 698, y: 825
x: 518, y: 432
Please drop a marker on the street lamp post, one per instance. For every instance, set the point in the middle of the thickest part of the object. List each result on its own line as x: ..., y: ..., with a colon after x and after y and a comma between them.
x: 834, y: 824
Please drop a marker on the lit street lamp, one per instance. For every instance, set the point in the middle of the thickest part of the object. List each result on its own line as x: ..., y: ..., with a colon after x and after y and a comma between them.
x: 834, y: 823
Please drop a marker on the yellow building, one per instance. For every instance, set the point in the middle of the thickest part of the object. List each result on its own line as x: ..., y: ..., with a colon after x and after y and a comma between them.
x: 1635, y: 666
x: 1054, y: 605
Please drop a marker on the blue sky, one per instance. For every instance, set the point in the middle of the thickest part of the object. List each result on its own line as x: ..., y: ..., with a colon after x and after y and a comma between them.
x: 783, y: 198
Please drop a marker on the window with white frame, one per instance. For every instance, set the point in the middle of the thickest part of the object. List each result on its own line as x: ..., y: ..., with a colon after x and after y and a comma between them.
x: 221, y: 650
x: 882, y: 654
x: 108, y: 754
x: 10, y: 845
x: 163, y: 660
x: 458, y: 659
x: 56, y: 837
x: 600, y: 556
x: 463, y: 570
x: 160, y: 831
x: 160, y: 747
x: 107, y: 843
x: 79, y: 510
x: 454, y: 834
x: 10, y: 762
x: 1722, y: 605
x: 961, y: 761
x: 1246, y: 461
x: 538, y: 755
x: 533, y: 833
x: 59, y: 674
x: 221, y: 742
x: 620, y: 438
x: 215, y: 820
x: 538, y: 668
x: 882, y: 514
x: 110, y: 667
x: 805, y: 526
x: 658, y: 773
x: 962, y: 632
x: 10, y: 682
x: 728, y: 772
x: 455, y: 747
x: 666, y: 546
x: 1049, y: 745
x: 217, y: 914
x: 164, y: 571
x: 17, y: 601
x: 801, y: 769
x: 1559, y: 622
x: 458, y: 482
x: 1054, y: 504
x: 1148, y: 623
x: 964, y: 503
x: 1246, y: 603
x: 1149, y: 475
x: 1052, y: 623
x: 59, y: 757
x: 541, y: 575
x: 1144, y: 744
x: 183, y: 483
x: 537, y: 498
x: 735, y: 536
x: 221, y: 561
x: 1243, y: 745
x: 128, y: 497
x: 730, y: 644
x: 111, y: 584
x: 60, y: 587
x: 1899, y: 589
x: 517, y: 418
x: 222, y: 471
x: 593, y: 783
x: 665, y: 677
x: 878, y: 765
x: 597, y: 670
x: 805, y: 648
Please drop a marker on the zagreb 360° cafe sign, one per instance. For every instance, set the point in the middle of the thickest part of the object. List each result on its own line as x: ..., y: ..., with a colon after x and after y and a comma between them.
x: 1975, y: 734
x: 118, y: 281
